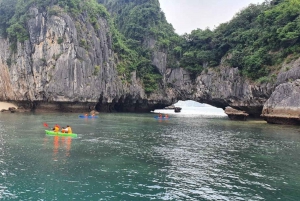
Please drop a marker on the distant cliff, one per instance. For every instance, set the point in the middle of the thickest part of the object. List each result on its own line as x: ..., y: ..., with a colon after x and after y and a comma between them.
x: 79, y: 58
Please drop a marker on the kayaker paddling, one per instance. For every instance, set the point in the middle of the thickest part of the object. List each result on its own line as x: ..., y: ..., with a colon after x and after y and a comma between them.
x: 55, y: 128
x: 64, y: 131
x: 67, y: 130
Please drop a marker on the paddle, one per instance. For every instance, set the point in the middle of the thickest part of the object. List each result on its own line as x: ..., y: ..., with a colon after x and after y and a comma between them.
x: 46, y: 125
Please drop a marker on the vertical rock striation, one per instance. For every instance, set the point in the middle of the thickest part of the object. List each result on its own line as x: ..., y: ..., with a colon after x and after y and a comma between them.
x: 69, y: 65
x: 64, y: 61
x: 220, y: 87
x: 283, y: 106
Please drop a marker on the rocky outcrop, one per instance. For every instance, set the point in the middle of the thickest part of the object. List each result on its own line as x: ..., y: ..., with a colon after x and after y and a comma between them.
x: 14, y: 110
x: 68, y: 65
x: 173, y: 107
x: 234, y: 114
x: 220, y: 87
x: 64, y: 61
x: 283, y: 106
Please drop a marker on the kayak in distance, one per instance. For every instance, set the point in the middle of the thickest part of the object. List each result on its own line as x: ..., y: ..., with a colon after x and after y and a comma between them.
x: 88, y: 117
x: 162, y: 118
x: 49, y: 132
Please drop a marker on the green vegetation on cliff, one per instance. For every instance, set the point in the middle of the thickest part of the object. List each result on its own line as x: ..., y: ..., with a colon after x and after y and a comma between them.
x: 127, y: 41
x: 145, y: 26
x: 256, y: 40
x: 14, y: 14
x: 141, y: 20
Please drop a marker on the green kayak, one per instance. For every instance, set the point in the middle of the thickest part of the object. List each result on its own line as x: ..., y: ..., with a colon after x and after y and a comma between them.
x: 48, y: 132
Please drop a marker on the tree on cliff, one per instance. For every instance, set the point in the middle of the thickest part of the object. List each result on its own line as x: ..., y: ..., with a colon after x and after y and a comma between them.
x: 257, y: 39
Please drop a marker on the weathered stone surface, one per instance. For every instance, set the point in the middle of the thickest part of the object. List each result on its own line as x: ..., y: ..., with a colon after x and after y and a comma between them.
x: 289, y: 72
x: 53, y: 67
x: 234, y: 114
x: 221, y: 88
x: 11, y: 110
x: 67, y: 65
x: 283, y: 107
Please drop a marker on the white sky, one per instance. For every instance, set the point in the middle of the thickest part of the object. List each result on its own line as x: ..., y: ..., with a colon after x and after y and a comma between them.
x: 187, y: 15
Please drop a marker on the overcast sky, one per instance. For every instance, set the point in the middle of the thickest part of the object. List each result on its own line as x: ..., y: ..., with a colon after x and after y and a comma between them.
x: 187, y: 15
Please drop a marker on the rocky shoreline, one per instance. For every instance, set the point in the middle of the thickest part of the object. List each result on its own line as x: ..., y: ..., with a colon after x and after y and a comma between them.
x: 234, y: 114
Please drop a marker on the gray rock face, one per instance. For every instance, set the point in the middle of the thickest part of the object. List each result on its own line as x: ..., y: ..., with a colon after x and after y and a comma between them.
x: 220, y: 88
x: 234, y: 114
x: 63, y: 61
x: 160, y: 61
x: 69, y: 65
x: 289, y: 72
x: 283, y: 107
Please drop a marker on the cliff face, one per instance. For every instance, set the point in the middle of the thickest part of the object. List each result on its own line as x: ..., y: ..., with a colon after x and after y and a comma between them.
x: 68, y: 65
x: 283, y: 107
x: 221, y: 88
x: 63, y: 61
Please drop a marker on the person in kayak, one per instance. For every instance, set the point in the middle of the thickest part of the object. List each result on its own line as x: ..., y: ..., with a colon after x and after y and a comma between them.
x: 160, y: 115
x: 166, y: 116
x: 56, y: 128
x: 63, y: 130
x: 68, y: 129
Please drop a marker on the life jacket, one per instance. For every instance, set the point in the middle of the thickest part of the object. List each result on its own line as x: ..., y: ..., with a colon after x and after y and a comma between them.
x: 69, y: 129
x: 63, y: 131
x: 56, y: 129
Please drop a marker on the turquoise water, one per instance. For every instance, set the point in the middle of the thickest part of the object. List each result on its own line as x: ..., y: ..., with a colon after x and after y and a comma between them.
x: 135, y: 157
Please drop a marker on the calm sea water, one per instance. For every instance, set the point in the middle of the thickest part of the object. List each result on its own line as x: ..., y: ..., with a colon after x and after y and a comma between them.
x: 135, y: 157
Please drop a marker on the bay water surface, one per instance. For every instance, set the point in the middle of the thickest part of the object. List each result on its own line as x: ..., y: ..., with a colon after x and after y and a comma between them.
x: 136, y: 157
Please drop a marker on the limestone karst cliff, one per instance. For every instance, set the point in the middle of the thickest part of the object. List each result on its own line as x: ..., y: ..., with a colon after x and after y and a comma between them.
x: 283, y: 106
x: 71, y: 63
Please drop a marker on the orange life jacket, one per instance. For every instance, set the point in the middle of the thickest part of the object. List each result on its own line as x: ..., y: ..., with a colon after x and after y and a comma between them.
x: 56, y: 129
x: 69, y: 129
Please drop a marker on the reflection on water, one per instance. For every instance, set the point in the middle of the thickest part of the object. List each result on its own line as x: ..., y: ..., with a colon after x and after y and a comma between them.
x: 137, y: 157
x: 59, y: 142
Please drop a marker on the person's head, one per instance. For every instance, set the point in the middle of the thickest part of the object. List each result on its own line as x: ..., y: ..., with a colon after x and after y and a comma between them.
x: 63, y: 127
x: 68, y: 126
